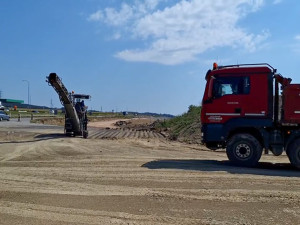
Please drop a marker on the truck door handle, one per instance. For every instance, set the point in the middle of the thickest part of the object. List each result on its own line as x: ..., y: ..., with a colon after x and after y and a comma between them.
x: 237, y: 110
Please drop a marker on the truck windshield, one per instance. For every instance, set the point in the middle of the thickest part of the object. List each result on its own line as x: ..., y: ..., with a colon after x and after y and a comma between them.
x: 231, y: 86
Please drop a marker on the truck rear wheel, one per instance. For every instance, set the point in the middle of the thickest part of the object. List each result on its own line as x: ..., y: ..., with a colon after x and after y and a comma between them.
x: 293, y: 153
x: 244, y: 150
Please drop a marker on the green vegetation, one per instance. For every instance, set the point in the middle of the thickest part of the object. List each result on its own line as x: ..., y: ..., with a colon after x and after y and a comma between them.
x: 40, y: 113
x: 186, y: 128
x: 25, y: 112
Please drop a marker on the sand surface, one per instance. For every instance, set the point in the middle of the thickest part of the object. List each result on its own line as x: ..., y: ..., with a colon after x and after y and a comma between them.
x: 47, y: 178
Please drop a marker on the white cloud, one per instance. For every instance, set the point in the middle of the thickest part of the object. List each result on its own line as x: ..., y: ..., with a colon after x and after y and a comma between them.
x: 180, y: 32
x: 275, y: 2
x: 97, y: 16
x: 125, y: 14
x: 113, y: 17
x: 297, y: 37
x: 116, y: 36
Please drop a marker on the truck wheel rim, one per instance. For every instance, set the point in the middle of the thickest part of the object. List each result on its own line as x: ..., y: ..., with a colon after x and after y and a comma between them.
x: 243, y: 151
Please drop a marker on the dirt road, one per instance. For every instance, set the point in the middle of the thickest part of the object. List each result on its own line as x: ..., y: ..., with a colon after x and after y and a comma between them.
x: 47, y: 178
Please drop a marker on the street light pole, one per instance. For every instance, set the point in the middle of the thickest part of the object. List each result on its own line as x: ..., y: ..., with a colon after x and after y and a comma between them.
x: 28, y: 91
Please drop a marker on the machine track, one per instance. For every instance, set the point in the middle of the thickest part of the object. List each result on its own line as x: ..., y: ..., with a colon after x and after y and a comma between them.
x: 122, y: 133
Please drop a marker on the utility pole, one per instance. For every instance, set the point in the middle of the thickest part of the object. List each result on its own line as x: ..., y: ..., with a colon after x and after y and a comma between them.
x: 28, y: 91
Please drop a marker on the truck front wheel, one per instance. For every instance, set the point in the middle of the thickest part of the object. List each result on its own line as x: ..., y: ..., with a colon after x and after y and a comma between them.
x: 244, y: 150
x: 293, y: 153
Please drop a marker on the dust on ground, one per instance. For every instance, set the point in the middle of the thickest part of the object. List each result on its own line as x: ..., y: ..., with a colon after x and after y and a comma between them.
x: 47, y: 178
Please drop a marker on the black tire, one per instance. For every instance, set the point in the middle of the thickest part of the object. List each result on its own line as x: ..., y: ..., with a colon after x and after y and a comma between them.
x: 293, y: 153
x: 244, y: 150
x: 85, y: 134
x: 68, y: 133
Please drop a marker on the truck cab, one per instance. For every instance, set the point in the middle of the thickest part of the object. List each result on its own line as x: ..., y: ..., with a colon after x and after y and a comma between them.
x: 242, y: 111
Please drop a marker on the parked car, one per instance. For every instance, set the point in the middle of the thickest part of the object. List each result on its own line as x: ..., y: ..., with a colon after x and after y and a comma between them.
x: 4, y: 116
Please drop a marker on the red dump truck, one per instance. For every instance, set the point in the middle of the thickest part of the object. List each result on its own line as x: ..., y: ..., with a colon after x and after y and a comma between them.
x: 250, y: 107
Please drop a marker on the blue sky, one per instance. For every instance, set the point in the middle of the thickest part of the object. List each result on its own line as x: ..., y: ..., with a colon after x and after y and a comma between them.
x: 143, y: 56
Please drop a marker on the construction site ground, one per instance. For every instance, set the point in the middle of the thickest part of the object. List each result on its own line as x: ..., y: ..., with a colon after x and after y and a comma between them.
x: 126, y: 175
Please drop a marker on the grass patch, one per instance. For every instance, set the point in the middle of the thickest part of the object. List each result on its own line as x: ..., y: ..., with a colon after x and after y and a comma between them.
x: 186, y: 127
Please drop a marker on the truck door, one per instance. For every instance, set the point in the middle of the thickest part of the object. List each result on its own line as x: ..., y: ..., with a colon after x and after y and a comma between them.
x: 230, y: 95
x: 237, y: 95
